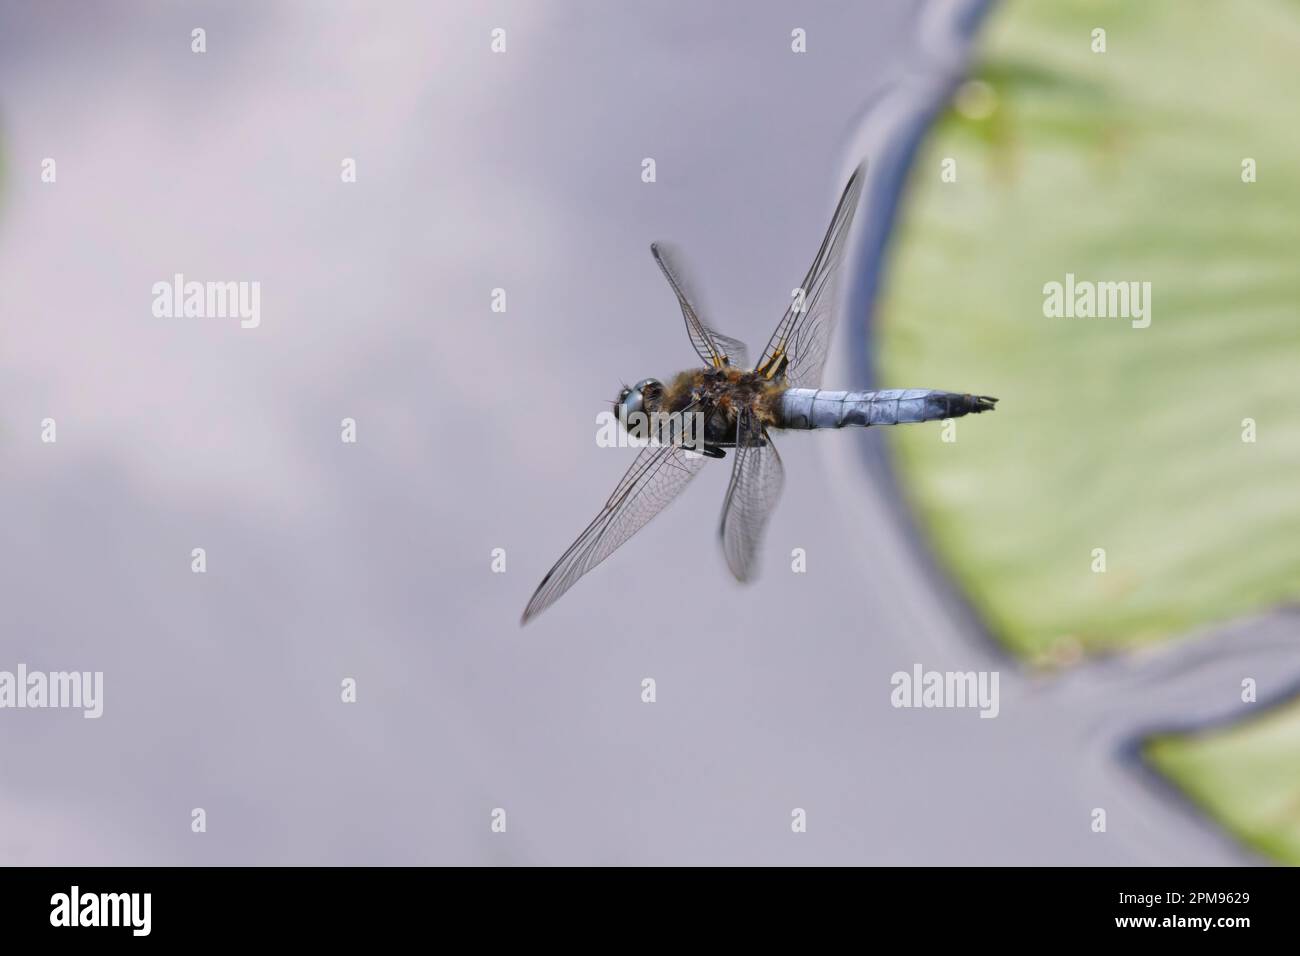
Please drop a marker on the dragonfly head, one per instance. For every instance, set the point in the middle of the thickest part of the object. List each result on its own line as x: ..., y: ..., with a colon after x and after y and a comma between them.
x: 640, y: 399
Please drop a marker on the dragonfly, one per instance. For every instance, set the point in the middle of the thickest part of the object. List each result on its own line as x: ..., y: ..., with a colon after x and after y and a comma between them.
x: 738, y: 407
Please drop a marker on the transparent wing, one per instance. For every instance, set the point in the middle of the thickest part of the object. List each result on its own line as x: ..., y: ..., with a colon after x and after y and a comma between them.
x: 756, y: 479
x: 659, y: 473
x: 715, y: 348
x: 798, y: 347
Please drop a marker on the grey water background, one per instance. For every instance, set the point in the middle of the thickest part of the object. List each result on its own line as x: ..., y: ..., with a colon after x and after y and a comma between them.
x: 373, y: 561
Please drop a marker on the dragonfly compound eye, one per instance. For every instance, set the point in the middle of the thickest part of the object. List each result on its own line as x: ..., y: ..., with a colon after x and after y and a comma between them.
x: 631, y: 403
x: 651, y: 388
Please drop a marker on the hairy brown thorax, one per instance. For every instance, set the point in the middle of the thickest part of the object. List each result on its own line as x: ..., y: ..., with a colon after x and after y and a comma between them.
x: 726, y: 391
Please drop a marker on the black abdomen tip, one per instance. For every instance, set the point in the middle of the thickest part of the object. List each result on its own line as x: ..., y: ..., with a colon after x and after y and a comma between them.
x: 955, y: 404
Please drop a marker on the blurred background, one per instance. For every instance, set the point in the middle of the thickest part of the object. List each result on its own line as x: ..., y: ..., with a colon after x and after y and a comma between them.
x: 521, y: 170
x: 1175, y: 448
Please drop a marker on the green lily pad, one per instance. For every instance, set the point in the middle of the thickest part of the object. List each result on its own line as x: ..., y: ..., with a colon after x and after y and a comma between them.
x: 1122, y: 166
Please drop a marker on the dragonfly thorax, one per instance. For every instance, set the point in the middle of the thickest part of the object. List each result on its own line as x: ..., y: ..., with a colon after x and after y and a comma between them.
x: 719, y: 395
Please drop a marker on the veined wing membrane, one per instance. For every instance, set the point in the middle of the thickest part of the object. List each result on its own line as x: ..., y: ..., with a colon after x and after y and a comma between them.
x: 713, y: 347
x: 657, y: 476
x: 798, y: 347
x: 756, y: 479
